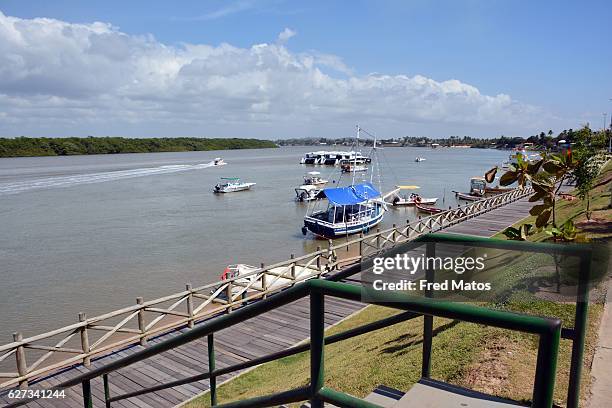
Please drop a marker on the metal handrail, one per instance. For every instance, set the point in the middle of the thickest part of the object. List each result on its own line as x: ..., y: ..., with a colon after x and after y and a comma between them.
x: 547, y: 329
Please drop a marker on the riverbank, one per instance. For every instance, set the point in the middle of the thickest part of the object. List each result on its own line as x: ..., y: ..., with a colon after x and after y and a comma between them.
x: 70, y: 146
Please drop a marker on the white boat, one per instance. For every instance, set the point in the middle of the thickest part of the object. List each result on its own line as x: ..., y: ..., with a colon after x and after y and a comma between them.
x: 219, y: 162
x: 514, y: 157
x: 231, y: 185
x: 307, y: 192
x: 467, y: 197
x: 313, y: 157
x: 333, y: 158
x: 414, y: 199
x: 247, y: 275
x: 350, y: 168
x: 314, y: 178
x: 419, y: 159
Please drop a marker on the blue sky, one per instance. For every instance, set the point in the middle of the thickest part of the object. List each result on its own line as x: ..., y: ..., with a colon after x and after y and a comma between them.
x: 549, y: 60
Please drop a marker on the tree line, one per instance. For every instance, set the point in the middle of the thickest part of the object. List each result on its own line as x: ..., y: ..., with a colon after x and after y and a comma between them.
x: 42, y: 146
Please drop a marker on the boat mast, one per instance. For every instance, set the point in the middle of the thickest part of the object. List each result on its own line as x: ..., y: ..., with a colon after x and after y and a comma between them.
x: 372, y: 165
x: 355, y: 155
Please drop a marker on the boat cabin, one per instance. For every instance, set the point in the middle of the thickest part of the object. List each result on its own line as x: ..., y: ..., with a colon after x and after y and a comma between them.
x: 350, y: 210
x: 478, y: 186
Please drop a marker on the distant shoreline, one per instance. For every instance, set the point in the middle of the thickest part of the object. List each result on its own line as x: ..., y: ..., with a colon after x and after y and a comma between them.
x: 75, y: 146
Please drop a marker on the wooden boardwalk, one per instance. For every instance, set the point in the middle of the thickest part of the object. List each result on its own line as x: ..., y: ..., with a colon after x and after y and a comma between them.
x: 273, y: 331
x: 490, y: 223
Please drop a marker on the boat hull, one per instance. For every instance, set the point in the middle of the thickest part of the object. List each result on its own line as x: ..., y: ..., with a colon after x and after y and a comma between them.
x: 329, y: 230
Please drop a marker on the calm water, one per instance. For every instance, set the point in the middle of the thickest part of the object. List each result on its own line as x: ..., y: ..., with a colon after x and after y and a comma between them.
x: 91, y: 233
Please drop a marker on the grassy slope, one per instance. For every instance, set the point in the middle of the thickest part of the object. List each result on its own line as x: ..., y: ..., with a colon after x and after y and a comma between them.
x: 487, y: 359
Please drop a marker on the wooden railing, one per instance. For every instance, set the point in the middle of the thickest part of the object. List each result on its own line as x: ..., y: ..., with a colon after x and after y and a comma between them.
x: 79, y: 342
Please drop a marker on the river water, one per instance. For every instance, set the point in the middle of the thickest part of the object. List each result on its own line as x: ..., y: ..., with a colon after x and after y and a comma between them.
x: 91, y: 233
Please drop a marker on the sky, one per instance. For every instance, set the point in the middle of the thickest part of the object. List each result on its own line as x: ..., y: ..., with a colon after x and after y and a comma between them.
x: 280, y: 69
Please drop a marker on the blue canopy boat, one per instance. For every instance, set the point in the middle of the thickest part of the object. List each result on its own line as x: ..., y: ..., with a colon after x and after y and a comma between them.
x: 352, y: 209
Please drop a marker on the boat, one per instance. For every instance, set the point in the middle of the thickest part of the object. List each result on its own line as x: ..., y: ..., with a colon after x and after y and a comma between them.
x: 218, y: 162
x: 244, y: 275
x: 429, y: 210
x: 350, y: 168
x: 414, y: 199
x: 513, y: 158
x: 419, y: 159
x: 350, y: 210
x: 333, y: 158
x: 314, y: 178
x: 478, y: 186
x: 307, y: 192
x: 231, y: 185
x: 467, y: 197
x: 497, y: 190
x: 313, y: 157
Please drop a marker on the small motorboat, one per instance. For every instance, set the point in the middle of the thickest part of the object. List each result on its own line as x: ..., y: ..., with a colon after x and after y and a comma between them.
x: 414, y: 199
x: 219, y: 162
x: 314, y: 178
x: 428, y: 210
x: 419, y: 159
x: 350, y: 168
x: 307, y: 192
x: 232, y: 185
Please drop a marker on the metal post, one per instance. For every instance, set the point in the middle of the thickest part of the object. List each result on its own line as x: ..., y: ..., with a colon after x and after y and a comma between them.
x: 580, y: 328
x: 430, y: 251
x: 22, y: 366
x: 228, y: 295
x: 189, y: 305
x: 87, y: 400
x: 141, y: 322
x: 546, y: 368
x: 84, y: 340
x: 211, y: 368
x: 360, y: 245
x: 317, y: 338
x: 106, y: 391
x: 264, y: 281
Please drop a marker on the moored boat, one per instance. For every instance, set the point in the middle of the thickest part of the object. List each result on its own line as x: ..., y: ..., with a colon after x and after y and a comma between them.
x: 414, y: 199
x: 307, y: 192
x: 351, y: 168
x: 232, y: 185
x: 467, y: 197
x: 352, y: 209
x: 314, y: 178
x: 428, y: 210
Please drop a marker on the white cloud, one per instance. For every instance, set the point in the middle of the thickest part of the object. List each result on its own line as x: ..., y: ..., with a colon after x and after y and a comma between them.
x: 59, y: 78
x: 285, y: 35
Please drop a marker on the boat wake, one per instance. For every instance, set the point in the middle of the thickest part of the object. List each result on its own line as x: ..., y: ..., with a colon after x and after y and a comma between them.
x: 90, y: 178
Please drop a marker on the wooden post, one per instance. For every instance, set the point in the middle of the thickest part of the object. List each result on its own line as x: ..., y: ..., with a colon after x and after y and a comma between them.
x: 189, y: 305
x: 394, y: 231
x: 330, y: 253
x: 361, y: 245
x: 84, y: 340
x: 318, y: 258
x: 228, y: 295
x: 264, y: 281
x: 141, y: 322
x: 293, y: 267
x: 22, y: 366
x: 377, y: 238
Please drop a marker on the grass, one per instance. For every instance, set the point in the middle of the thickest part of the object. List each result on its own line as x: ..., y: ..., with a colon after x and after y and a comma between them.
x: 486, y: 359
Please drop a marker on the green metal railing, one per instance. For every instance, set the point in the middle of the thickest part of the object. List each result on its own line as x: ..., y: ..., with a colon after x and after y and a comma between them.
x: 547, y: 329
x: 549, y: 332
